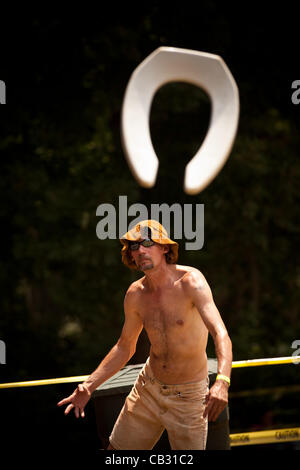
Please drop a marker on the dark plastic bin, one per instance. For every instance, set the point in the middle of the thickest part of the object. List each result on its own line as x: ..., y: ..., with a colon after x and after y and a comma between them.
x: 109, y: 399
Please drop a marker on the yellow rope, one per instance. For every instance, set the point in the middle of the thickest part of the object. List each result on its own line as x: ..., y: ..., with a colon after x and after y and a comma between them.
x: 34, y: 383
x: 266, y: 362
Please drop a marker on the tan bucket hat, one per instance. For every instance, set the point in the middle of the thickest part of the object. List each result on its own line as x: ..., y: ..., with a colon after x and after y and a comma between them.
x: 148, y: 229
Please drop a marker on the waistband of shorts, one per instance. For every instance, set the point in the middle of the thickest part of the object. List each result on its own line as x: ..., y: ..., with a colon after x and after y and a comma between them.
x: 147, y: 372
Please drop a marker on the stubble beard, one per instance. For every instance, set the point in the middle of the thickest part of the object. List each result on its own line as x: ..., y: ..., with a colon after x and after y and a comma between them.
x: 144, y: 265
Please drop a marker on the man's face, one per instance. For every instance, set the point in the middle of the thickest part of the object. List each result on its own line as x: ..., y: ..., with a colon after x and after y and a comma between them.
x: 147, y: 257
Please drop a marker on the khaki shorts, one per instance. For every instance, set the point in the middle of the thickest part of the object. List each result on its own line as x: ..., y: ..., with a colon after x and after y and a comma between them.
x: 152, y: 407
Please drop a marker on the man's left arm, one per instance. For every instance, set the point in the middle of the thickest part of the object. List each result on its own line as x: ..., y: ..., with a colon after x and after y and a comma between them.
x: 202, y: 298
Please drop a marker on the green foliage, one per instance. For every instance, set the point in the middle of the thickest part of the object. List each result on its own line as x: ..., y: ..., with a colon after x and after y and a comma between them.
x: 61, y: 156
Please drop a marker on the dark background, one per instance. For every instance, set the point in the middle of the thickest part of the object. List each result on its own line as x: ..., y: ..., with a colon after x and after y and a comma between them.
x: 62, y: 289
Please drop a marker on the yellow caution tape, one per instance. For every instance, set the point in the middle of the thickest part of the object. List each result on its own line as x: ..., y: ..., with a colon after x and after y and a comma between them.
x: 265, y: 437
x: 80, y: 378
x: 34, y: 383
x: 266, y: 362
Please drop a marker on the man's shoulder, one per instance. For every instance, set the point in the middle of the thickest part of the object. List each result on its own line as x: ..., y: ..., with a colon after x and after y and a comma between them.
x: 192, y: 278
x: 134, y: 290
x: 189, y: 272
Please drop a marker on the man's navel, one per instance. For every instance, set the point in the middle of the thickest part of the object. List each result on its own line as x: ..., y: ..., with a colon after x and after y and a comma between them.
x: 180, y: 322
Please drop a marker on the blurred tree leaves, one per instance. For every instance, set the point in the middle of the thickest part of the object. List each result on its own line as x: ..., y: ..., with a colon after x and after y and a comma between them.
x: 62, y: 288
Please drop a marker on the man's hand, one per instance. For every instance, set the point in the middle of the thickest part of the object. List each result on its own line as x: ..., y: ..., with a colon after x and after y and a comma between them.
x: 78, y: 399
x: 217, y: 400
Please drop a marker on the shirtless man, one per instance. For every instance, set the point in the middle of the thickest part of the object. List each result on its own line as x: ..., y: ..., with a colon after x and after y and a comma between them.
x: 175, y: 306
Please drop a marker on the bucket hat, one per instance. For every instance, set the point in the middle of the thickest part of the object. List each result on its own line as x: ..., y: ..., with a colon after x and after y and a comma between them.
x: 148, y: 229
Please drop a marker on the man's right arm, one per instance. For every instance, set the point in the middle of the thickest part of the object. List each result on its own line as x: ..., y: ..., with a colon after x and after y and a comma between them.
x: 118, y: 356
x: 124, y: 349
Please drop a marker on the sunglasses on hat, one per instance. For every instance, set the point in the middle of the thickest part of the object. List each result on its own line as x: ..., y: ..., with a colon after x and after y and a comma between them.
x: 134, y: 246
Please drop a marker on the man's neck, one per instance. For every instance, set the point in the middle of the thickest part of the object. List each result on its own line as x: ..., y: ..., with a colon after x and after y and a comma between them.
x: 159, y: 277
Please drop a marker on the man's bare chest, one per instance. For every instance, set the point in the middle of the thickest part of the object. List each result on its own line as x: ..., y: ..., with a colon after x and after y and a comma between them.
x: 165, y: 310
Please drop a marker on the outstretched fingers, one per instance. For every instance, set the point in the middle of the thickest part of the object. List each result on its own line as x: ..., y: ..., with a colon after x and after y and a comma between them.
x: 77, y: 400
x: 69, y: 408
x: 64, y: 401
x: 79, y: 412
